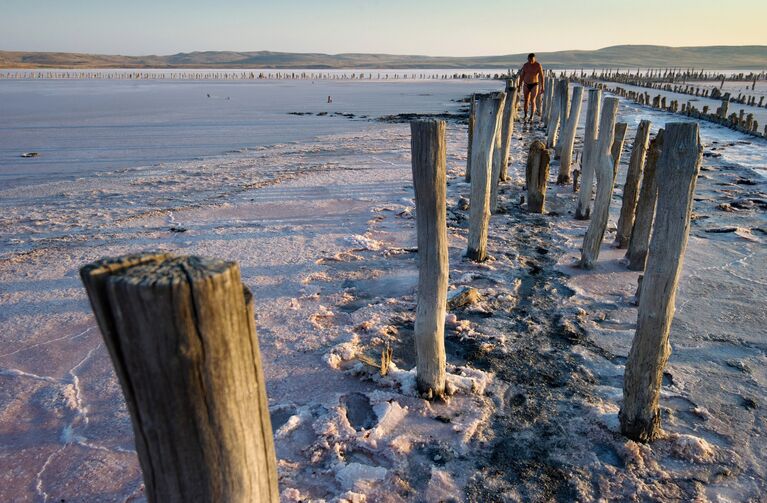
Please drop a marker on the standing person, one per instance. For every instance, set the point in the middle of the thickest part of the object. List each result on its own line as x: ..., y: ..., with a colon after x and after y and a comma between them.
x: 531, y: 76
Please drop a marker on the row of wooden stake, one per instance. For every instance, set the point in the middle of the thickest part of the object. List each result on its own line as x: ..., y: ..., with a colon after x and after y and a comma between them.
x: 181, y: 332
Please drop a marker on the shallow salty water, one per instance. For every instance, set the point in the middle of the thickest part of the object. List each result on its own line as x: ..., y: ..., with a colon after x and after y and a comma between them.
x: 85, y: 126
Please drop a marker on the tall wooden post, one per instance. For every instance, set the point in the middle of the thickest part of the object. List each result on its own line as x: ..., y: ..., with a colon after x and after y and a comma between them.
x: 495, y: 172
x: 472, y: 118
x: 489, y: 109
x: 537, y: 176
x: 583, y: 209
x: 554, y: 118
x: 429, y: 180
x: 604, y: 168
x: 509, y: 108
x: 182, y: 338
x: 631, y: 187
x: 677, y: 174
x: 568, y: 137
x: 616, y: 151
x: 564, y: 114
x: 639, y: 241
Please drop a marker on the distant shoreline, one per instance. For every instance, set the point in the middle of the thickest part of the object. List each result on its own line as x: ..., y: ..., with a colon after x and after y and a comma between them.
x: 752, y: 57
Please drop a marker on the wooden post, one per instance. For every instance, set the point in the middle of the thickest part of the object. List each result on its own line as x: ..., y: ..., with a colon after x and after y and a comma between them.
x: 429, y: 180
x: 616, y: 151
x: 495, y: 173
x: 472, y: 118
x: 536, y: 176
x: 182, y: 338
x: 639, y: 241
x: 583, y: 209
x: 568, y: 137
x: 631, y: 187
x: 553, y: 125
x: 509, y: 108
x: 564, y: 114
x: 489, y: 108
x: 604, y: 168
x: 677, y: 174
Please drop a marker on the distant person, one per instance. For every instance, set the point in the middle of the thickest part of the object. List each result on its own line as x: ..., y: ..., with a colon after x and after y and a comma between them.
x: 531, y: 77
x: 330, y: 99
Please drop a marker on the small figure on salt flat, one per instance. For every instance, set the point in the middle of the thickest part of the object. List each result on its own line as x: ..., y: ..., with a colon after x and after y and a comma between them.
x: 531, y: 74
x: 330, y: 99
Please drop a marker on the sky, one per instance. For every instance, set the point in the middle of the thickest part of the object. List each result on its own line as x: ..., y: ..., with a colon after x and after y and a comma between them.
x: 426, y: 27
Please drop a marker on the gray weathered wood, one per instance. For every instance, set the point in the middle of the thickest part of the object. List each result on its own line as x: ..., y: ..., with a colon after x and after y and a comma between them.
x: 677, y: 173
x: 583, y: 208
x: 564, y: 114
x: 509, y: 109
x: 568, y: 137
x: 536, y: 176
x: 495, y: 173
x: 554, y: 118
x: 429, y: 180
x: 604, y: 167
x: 616, y: 151
x: 472, y: 118
x: 181, y: 335
x: 631, y: 187
x: 639, y: 241
x: 488, y: 112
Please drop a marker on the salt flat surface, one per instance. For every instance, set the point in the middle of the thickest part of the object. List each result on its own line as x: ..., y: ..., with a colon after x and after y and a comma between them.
x: 321, y: 228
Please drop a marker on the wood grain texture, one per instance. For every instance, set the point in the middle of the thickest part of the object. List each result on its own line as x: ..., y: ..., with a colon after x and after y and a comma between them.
x: 616, y: 151
x: 639, y: 241
x: 472, y: 118
x: 586, y: 191
x: 488, y: 112
x: 509, y: 112
x: 564, y: 114
x: 631, y: 186
x: 554, y: 118
x: 430, y: 182
x: 181, y: 335
x: 677, y: 173
x: 537, y: 176
x: 604, y: 168
x: 568, y: 136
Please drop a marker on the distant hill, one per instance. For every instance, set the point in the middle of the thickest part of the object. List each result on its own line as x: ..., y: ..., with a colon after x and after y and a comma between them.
x: 625, y: 56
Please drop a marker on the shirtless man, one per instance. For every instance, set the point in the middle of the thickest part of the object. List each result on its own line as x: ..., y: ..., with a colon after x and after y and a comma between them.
x: 531, y: 75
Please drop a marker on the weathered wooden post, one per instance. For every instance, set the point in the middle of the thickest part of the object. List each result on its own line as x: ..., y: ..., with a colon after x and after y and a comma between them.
x: 472, y: 118
x: 564, y: 114
x: 495, y: 172
x: 604, y: 168
x: 677, y: 174
x: 631, y: 187
x: 536, y: 176
x: 639, y: 241
x: 509, y: 107
x: 488, y: 112
x: 554, y: 118
x: 583, y: 209
x: 568, y: 137
x: 429, y: 180
x: 616, y: 151
x: 181, y: 335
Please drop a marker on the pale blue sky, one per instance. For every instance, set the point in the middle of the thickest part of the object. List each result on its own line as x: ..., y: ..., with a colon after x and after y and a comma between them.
x: 431, y: 27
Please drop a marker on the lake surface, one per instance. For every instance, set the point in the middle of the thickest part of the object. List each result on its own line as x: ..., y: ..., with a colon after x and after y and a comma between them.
x: 85, y: 126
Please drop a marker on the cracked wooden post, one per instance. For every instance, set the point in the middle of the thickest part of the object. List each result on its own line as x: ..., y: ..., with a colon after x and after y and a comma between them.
x: 509, y: 108
x: 677, y: 173
x: 554, y: 117
x: 536, y: 176
x: 616, y: 151
x: 472, y: 118
x: 564, y: 114
x: 181, y: 335
x: 430, y: 182
x: 583, y: 209
x: 488, y: 111
x: 639, y: 241
x: 568, y: 137
x: 495, y: 172
x: 604, y: 169
x: 631, y: 187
